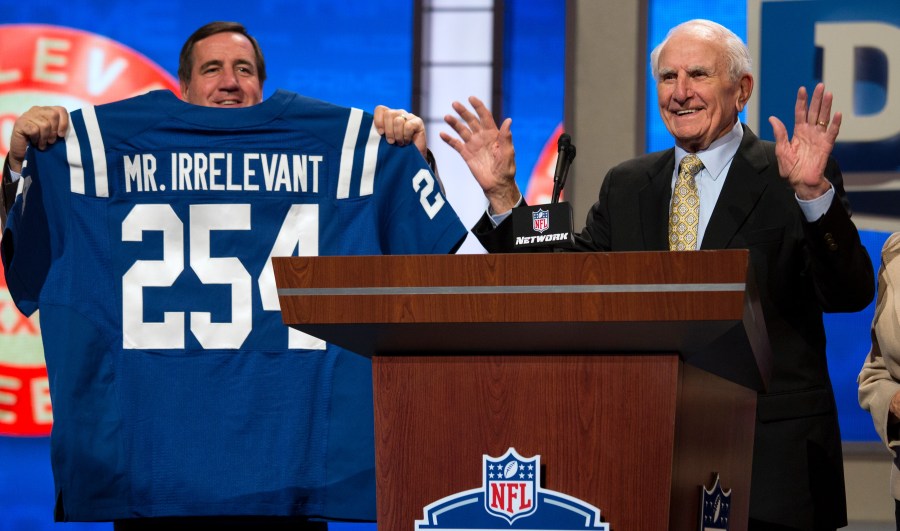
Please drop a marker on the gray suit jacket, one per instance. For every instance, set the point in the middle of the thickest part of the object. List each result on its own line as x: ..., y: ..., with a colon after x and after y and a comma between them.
x: 802, y: 270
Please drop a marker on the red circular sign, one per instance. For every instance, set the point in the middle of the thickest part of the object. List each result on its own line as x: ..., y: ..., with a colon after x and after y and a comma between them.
x: 540, y: 186
x: 52, y: 65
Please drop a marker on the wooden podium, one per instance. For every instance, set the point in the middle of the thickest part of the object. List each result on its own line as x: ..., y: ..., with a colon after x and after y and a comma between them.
x: 632, y: 375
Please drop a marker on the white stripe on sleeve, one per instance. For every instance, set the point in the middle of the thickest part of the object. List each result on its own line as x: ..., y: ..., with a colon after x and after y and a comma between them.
x: 346, y: 170
x: 98, y: 153
x: 370, y: 160
x: 73, y: 157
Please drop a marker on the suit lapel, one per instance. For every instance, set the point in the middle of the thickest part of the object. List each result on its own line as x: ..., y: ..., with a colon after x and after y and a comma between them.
x: 654, y: 203
x: 743, y: 186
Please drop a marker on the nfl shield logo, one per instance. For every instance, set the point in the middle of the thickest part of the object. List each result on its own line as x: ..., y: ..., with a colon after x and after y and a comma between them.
x: 510, y: 485
x: 511, y: 491
x: 715, y: 508
x: 540, y: 220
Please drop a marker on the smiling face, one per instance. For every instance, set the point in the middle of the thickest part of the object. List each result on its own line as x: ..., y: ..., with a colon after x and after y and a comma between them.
x: 698, y: 99
x: 223, y: 73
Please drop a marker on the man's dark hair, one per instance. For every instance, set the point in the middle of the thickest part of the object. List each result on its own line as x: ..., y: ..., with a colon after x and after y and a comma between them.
x: 186, y: 59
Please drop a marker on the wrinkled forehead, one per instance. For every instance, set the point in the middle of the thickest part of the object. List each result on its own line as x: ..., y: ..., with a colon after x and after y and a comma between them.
x: 227, y: 47
x: 690, y: 50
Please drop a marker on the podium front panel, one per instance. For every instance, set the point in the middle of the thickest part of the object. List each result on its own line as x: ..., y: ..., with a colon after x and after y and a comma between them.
x: 621, y: 432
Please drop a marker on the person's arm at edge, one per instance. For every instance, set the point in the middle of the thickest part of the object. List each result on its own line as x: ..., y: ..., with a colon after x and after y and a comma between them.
x: 877, y: 387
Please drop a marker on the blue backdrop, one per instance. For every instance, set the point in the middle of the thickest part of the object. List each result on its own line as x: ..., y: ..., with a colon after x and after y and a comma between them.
x: 359, y: 53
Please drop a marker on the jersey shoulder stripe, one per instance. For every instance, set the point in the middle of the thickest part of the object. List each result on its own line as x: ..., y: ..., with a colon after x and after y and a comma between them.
x: 73, y: 155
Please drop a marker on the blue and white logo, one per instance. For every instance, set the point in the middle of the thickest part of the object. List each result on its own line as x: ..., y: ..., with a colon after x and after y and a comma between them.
x: 715, y: 508
x: 510, y: 498
x: 510, y: 485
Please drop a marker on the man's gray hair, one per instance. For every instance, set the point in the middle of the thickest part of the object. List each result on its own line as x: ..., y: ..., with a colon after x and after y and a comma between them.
x: 737, y: 55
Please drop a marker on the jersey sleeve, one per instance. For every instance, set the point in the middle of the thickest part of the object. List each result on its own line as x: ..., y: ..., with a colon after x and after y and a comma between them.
x: 418, y: 219
x: 26, y: 240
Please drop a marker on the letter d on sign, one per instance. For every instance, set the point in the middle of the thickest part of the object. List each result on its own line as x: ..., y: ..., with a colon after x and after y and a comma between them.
x: 839, y: 42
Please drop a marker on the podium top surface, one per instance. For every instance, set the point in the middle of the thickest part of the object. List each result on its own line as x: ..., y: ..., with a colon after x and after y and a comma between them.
x: 699, y: 304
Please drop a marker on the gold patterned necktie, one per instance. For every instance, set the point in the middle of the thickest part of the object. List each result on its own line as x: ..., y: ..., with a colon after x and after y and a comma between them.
x: 685, y: 216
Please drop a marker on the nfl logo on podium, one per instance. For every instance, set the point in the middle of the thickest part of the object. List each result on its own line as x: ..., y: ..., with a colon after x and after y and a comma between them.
x: 509, y: 485
x: 715, y: 508
x: 540, y: 220
x: 510, y: 498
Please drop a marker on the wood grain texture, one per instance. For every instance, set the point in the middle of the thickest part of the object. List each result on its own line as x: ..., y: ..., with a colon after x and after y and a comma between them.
x: 632, y: 435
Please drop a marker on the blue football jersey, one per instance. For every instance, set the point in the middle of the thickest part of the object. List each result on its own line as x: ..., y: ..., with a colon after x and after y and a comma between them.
x: 145, y: 239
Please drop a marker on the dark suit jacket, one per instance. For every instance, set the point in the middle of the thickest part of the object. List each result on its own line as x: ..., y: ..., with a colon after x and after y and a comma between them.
x: 7, y: 194
x: 802, y: 270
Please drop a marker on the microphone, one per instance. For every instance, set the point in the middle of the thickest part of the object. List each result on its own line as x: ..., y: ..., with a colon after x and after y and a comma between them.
x: 570, y: 156
x: 565, y: 152
x: 550, y: 225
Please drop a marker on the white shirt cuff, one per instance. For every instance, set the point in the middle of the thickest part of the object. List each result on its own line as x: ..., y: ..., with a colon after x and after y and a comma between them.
x: 497, y: 219
x: 816, y: 208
